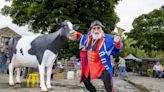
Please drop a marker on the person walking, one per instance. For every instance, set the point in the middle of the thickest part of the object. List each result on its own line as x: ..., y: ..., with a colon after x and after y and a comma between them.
x: 122, y: 67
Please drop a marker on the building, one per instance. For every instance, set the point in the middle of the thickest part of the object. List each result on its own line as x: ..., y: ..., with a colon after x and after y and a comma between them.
x: 5, y: 34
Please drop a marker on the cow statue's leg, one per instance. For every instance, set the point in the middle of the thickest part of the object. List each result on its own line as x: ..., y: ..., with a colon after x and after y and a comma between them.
x: 18, y: 75
x: 51, y: 59
x: 42, y: 82
x: 11, y: 69
x: 49, y: 72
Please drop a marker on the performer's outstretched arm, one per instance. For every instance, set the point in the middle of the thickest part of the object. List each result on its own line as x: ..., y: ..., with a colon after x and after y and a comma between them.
x: 117, y: 46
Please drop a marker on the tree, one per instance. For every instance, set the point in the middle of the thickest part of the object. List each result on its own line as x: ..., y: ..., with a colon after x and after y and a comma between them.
x: 129, y: 48
x: 149, y: 30
x: 40, y: 15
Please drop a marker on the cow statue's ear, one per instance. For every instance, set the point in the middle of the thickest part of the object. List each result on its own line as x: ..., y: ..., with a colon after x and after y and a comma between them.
x: 76, y: 26
x: 59, y: 21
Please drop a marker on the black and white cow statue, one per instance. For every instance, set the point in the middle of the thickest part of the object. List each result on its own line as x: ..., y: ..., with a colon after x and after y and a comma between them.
x: 39, y: 51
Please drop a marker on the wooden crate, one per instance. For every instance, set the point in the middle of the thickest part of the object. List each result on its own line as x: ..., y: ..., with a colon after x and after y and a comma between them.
x: 59, y: 76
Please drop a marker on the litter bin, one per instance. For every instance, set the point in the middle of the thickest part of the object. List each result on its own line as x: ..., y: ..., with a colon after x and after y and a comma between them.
x: 70, y: 75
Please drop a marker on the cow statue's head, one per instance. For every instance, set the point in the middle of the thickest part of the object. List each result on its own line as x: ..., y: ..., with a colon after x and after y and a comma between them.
x: 66, y: 28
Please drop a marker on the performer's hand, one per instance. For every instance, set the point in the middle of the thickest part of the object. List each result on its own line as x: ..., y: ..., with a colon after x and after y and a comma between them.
x: 73, y: 36
x: 117, y: 41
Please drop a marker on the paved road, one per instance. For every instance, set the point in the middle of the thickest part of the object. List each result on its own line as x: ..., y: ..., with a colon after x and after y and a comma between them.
x: 153, y: 84
x: 65, y: 86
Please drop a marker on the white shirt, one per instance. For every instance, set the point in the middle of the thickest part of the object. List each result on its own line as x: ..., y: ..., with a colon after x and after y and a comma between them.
x: 122, y: 62
x: 157, y: 67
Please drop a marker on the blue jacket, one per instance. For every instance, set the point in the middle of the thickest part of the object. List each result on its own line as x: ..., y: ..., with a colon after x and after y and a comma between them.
x: 107, y: 49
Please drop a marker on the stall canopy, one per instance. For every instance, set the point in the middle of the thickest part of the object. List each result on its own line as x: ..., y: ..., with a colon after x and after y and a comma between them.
x: 131, y: 57
x: 153, y: 59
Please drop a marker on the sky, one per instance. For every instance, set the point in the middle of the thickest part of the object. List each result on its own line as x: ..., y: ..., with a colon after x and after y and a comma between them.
x: 127, y: 11
x: 6, y: 22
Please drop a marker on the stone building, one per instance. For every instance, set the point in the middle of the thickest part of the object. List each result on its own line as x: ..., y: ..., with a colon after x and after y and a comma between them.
x: 5, y: 34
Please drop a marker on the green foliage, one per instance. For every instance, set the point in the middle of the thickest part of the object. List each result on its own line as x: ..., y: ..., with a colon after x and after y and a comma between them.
x: 130, y: 48
x: 6, y: 10
x: 40, y: 15
x: 150, y: 72
x: 69, y: 50
x: 149, y: 30
x: 156, y: 54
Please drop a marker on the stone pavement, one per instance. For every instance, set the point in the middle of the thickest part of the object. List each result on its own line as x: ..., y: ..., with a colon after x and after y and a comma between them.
x: 153, y: 84
x: 65, y: 86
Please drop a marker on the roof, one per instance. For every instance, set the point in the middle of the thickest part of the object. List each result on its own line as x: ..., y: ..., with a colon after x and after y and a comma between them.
x: 21, y: 31
x: 9, y: 31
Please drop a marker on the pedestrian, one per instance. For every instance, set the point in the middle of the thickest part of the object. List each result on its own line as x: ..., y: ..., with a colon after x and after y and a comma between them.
x: 122, y: 67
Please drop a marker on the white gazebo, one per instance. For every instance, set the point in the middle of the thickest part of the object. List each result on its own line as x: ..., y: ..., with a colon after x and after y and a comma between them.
x: 131, y: 57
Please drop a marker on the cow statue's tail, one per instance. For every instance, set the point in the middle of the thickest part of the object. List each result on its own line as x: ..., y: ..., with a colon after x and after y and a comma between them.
x: 12, y: 46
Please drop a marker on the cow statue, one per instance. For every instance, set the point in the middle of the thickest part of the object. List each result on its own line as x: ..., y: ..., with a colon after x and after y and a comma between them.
x: 39, y: 51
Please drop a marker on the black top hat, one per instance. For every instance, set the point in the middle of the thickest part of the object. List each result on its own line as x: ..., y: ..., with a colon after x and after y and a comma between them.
x: 96, y: 22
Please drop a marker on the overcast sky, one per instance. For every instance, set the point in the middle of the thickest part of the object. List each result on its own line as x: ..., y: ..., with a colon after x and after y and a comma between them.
x: 127, y: 10
x: 6, y: 21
